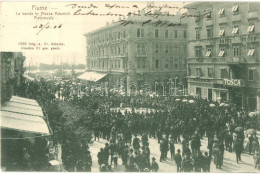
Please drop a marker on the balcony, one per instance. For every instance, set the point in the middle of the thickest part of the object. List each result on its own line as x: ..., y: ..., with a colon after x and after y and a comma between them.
x: 222, y: 20
x: 140, y: 54
x: 252, y: 15
x: 194, y: 60
x: 236, y: 40
x: 236, y: 17
x: 233, y: 60
x: 252, y: 59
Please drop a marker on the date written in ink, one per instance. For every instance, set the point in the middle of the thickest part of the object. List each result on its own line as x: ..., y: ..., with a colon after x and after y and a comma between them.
x: 46, y: 26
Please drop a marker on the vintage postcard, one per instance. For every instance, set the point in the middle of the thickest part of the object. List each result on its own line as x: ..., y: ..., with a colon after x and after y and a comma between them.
x: 132, y: 86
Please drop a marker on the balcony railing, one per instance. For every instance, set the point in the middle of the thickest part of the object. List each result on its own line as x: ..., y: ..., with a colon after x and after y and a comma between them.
x: 233, y: 60
x: 252, y: 15
x: 236, y: 40
x: 141, y: 54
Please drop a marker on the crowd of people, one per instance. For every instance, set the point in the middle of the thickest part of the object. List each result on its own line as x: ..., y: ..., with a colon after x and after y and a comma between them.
x: 169, y: 119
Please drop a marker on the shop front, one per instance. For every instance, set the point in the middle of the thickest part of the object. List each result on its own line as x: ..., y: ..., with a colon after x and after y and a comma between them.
x: 236, y: 89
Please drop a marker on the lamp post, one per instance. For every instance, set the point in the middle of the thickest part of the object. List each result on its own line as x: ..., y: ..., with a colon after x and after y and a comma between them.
x: 175, y: 84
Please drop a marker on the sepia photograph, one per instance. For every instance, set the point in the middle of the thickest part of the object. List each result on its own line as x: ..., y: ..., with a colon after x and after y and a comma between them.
x: 130, y: 86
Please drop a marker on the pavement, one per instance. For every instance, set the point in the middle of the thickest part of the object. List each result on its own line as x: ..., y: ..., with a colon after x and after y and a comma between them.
x: 230, y: 165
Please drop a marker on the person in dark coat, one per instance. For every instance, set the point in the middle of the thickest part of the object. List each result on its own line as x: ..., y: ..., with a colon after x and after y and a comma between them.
x: 250, y: 144
x: 154, y: 165
x: 238, y: 147
x: 136, y: 143
x: 124, y: 156
x: 187, y: 164
x: 144, y: 139
x: 178, y: 159
x: 88, y: 162
x: 106, y: 154
x: 130, y: 161
x: 101, y: 157
x: 172, y: 148
x: 206, y: 162
x: 210, y: 146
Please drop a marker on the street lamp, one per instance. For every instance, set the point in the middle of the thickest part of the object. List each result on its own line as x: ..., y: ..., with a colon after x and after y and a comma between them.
x: 175, y: 84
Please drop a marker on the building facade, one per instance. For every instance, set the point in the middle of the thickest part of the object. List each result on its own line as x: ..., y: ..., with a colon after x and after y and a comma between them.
x: 223, y: 52
x: 131, y: 51
x: 11, y: 72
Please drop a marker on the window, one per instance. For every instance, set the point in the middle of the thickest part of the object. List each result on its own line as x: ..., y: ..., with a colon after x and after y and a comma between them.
x: 125, y: 64
x: 251, y: 52
x: 156, y: 33
x: 198, y: 92
x: 208, y: 54
x: 156, y: 63
x: 118, y: 35
x: 251, y: 28
x: 236, y: 51
x: 176, y: 65
x: 209, y: 32
x: 210, y: 94
x: 119, y: 64
x: 221, y: 32
x: 185, y: 34
x: 210, y: 72
x: 166, y: 49
x: 138, y: 48
x: 235, y: 30
x: 221, y: 11
x: 223, y: 73
x: 166, y: 63
x: 140, y: 32
x: 156, y: 50
x: 197, y: 34
x: 176, y: 34
x: 221, y: 52
x: 143, y: 49
x: 138, y: 64
x: 124, y: 33
x: 209, y: 15
x: 143, y: 63
x: 166, y: 33
x: 251, y: 74
x: 118, y: 49
x: 198, y: 52
x: 235, y: 8
x: 198, y: 72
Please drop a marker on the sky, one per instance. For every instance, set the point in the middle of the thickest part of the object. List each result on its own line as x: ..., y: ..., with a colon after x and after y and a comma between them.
x: 21, y: 22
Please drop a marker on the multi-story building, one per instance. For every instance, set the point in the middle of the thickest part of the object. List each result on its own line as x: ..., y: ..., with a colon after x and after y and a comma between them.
x: 139, y: 49
x: 11, y: 72
x: 223, y: 52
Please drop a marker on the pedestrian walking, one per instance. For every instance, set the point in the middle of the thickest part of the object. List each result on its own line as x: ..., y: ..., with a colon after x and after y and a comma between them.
x: 178, y: 159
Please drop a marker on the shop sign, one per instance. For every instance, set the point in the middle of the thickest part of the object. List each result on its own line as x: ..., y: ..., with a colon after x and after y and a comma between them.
x: 233, y: 82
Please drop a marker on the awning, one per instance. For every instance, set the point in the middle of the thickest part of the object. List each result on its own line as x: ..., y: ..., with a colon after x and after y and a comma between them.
x: 23, y: 115
x: 28, y: 77
x: 23, y: 122
x: 24, y: 101
x: 92, y: 76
